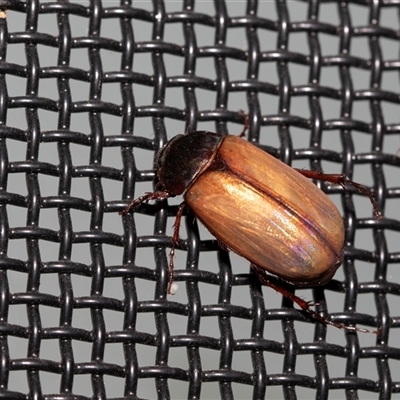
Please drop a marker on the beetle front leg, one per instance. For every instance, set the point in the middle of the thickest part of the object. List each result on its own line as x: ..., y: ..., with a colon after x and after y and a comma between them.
x: 145, y: 199
x: 341, y: 180
x: 175, y: 242
x: 304, y: 305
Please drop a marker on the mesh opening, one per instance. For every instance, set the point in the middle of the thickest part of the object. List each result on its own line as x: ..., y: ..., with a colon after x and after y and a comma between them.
x: 89, y: 91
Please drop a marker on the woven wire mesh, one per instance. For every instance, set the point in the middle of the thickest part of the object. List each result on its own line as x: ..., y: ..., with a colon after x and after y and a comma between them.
x: 90, y: 90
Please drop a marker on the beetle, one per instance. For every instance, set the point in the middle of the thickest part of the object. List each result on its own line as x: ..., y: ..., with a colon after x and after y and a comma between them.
x: 257, y: 206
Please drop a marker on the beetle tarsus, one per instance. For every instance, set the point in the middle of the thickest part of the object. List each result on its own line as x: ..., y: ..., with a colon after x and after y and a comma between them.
x: 171, y: 270
x: 303, y: 304
x: 160, y: 195
x: 342, y: 180
x: 175, y: 242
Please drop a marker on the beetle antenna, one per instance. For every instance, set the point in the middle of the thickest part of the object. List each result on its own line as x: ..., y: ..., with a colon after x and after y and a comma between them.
x: 160, y: 195
x: 303, y: 304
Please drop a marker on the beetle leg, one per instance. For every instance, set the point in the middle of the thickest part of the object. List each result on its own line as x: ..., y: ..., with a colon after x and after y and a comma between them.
x: 304, y: 305
x: 342, y: 180
x: 145, y: 199
x: 175, y: 242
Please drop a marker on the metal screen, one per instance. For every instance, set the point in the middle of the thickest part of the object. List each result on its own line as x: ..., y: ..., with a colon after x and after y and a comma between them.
x: 89, y: 91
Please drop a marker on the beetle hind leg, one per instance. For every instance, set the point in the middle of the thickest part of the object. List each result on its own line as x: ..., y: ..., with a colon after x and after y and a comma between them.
x: 303, y: 304
x: 342, y: 180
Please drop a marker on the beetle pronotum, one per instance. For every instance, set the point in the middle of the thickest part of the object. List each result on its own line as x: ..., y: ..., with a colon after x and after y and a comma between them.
x: 257, y: 206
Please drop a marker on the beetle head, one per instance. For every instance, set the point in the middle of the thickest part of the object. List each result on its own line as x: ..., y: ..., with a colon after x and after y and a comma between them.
x: 183, y: 158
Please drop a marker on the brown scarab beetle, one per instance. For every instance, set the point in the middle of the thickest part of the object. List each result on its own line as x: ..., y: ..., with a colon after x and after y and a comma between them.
x: 257, y: 206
